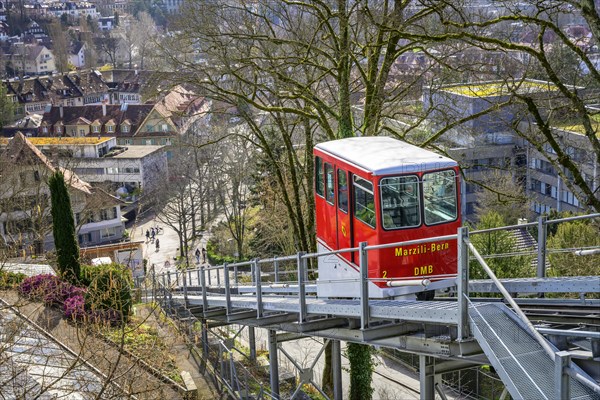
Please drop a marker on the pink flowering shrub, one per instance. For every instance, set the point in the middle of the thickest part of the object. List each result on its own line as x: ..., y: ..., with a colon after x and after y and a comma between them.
x: 50, y: 289
x: 53, y: 291
x: 74, y: 307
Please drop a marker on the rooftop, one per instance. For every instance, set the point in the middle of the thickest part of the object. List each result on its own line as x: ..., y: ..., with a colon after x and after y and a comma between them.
x: 73, y: 141
x: 382, y: 155
x: 489, y: 89
x: 576, y: 126
x: 137, y: 151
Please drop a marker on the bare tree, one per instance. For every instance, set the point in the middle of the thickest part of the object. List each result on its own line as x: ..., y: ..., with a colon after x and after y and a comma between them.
x: 235, y: 174
x: 60, y: 46
x: 108, y: 45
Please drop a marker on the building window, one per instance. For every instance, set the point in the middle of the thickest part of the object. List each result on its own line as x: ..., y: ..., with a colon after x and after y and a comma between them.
x: 85, y: 238
x: 96, y: 128
x: 108, y: 232
x: 110, y: 128
x: 124, y: 128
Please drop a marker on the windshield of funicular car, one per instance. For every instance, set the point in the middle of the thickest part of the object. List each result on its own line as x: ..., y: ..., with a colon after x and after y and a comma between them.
x: 400, y: 202
x: 439, y: 195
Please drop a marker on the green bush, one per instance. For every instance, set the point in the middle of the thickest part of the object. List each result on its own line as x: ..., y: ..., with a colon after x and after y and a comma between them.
x: 109, y: 289
x: 9, y: 280
x: 214, y: 258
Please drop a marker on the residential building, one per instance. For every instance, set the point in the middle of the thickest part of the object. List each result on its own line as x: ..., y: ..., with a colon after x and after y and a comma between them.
x: 120, y: 170
x: 29, y: 126
x: 34, y: 95
x: 25, y: 221
x: 73, y: 9
x: 126, y: 85
x: 32, y: 59
x: 106, y: 23
x: 131, y: 124
x: 77, y: 54
x: 487, y: 145
x: 547, y: 189
x: 172, y: 6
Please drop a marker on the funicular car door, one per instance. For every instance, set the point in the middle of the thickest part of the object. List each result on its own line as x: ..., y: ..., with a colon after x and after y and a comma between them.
x: 328, y: 209
x: 344, y: 222
x: 364, y: 211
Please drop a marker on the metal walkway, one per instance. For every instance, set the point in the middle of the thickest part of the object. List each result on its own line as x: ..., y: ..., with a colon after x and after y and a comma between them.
x: 525, y: 368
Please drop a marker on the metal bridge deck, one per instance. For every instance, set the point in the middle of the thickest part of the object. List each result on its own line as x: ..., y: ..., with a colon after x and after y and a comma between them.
x: 443, y: 312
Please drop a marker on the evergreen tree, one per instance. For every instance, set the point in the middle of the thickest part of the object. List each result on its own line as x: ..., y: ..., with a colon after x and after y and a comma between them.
x: 63, y: 228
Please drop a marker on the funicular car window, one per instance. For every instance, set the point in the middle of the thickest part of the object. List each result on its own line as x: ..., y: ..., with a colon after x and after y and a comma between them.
x: 319, y: 182
x: 439, y: 193
x: 329, y: 183
x: 400, y: 202
x: 342, y: 190
x: 364, y: 201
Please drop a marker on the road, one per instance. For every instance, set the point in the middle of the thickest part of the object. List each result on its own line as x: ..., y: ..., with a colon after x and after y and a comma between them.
x: 164, y: 258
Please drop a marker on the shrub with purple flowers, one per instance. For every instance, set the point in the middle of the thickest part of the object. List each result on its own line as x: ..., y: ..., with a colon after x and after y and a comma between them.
x: 74, y: 307
x: 36, y: 287
x: 107, y: 301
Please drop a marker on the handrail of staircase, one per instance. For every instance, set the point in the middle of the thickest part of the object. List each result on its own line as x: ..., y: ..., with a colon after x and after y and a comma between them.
x: 538, y: 336
x: 531, y: 224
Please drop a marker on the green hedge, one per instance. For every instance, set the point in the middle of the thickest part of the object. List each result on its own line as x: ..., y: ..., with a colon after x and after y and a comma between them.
x: 9, y: 280
x: 109, y: 288
x: 214, y: 258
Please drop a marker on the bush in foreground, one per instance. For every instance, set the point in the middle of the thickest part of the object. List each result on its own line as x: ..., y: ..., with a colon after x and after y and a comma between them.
x: 109, y: 291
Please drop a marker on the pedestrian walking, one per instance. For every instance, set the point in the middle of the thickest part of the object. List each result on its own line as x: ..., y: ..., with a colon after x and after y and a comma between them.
x: 157, y: 243
x: 203, y: 255
x: 147, y: 235
x: 197, y: 253
x: 152, y: 233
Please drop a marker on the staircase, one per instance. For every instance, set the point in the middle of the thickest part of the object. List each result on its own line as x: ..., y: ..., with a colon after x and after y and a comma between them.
x: 523, y: 365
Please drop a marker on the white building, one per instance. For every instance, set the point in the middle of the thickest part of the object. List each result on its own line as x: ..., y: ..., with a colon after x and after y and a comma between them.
x: 75, y: 10
x: 126, y: 169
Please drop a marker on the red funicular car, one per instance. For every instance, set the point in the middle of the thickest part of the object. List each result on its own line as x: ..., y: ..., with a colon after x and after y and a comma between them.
x: 381, y: 190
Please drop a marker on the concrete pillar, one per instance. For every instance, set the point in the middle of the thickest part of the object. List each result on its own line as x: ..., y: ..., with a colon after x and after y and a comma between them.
x: 273, y: 364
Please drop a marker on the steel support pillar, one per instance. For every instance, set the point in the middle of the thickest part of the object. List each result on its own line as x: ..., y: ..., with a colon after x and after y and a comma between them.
x: 336, y: 366
x: 426, y: 378
x: 541, y: 257
x: 252, y: 342
x: 273, y: 364
x: 562, y: 360
x: 462, y: 283
x: 205, y: 338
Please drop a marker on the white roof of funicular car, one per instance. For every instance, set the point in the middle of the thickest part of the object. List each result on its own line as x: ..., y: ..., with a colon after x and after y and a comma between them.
x: 385, y: 155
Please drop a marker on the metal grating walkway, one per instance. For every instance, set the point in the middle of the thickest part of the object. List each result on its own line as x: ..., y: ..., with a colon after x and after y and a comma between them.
x: 525, y: 368
x: 419, y: 311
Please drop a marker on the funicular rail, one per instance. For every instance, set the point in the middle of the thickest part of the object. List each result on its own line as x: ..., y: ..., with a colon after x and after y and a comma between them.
x: 291, y: 306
